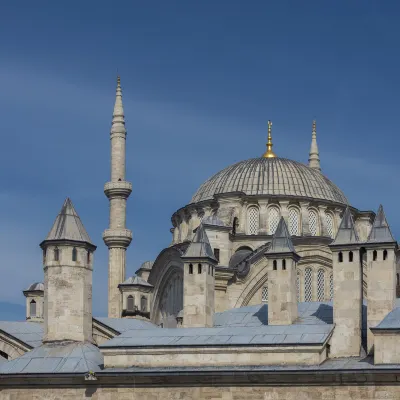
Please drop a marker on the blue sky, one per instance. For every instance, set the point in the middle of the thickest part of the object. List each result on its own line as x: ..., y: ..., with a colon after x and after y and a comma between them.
x: 200, y: 80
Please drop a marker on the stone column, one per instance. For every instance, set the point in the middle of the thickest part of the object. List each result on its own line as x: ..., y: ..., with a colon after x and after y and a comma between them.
x: 242, y: 219
x: 263, y: 227
x: 322, y: 216
x: 305, y: 226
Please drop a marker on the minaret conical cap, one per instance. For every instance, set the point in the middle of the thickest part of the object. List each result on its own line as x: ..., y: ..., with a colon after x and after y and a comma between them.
x: 118, y: 121
x: 68, y: 226
x: 346, y: 233
x: 281, y: 241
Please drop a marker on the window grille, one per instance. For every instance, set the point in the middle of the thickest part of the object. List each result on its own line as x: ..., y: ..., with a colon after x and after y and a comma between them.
x: 329, y: 224
x: 33, y: 308
x: 294, y: 222
x: 273, y: 220
x: 264, y: 295
x: 252, y: 220
x: 298, y: 285
x: 321, y: 285
x: 331, y: 286
x: 308, y: 284
x: 313, y: 221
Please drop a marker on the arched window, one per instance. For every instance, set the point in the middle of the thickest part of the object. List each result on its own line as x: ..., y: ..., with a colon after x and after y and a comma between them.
x: 331, y: 287
x: 264, y: 293
x: 199, y: 268
x: 298, y: 285
x: 130, y: 303
x: 252, y: 220
x: 32, y: 308
x: 350, y: 256
x: 56, y: 254
x: 190, y: 269
x: 313, y: 222
x: 143, y: 303
x: 320, y: 285
x: 74, y: 254
x: 283, y: 264
x: 44, y: 256
x: 294, y: 222
x: 275, y: 265
x: 88, y: 257
x: 273, y: 220
x: 374, y: 255
x: 340, y: 257
x: 384, y: 255
x: 308, y: 284
x: 329, y: 224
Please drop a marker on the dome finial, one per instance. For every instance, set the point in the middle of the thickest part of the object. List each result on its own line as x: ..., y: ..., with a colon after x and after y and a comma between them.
x: 313, y: 160
x: 269, y: 153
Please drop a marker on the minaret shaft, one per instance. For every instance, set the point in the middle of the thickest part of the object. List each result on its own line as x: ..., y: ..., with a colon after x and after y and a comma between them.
x: 117, y: 237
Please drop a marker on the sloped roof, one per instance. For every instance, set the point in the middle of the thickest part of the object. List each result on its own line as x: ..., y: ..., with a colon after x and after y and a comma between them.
x: 346, y: 233
x: 213, y: 220
x: 68, y: 225
x: 36, y: 286
x: 136, y: 280
x: 200, y: 246
x: 391, y: 321
x: 281, y: 241
x: 380, y: 231
x: 30, y: 333
x: 67, y: 357
x: 126, y: 324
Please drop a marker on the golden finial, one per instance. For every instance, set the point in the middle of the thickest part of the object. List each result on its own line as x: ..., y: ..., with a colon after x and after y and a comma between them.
x: 269, y: 153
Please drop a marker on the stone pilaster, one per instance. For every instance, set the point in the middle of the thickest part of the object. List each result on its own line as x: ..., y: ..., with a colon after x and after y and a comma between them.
x: 322, y: 216
x: 263, y: 227
x: 305, y: 226
x: 284, y: 209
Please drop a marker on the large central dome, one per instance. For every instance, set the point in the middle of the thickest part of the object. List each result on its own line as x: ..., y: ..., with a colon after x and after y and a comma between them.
x: 272, y: 177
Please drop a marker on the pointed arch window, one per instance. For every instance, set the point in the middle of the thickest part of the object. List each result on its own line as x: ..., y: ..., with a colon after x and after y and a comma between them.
x: 252, y: 221
x: 56, y: 254
x: 130, y: 303
x: 308, y: 292
x: 74, y: 254
x: 32, y: 308
x: 320, y: 285
x: 329, y: 225
x: 313, y: 222
x: 294, y: 222
x: 143, y: 303
x: 273, y: 220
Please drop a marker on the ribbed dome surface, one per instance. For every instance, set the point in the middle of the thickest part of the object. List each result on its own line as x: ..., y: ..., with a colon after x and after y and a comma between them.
x: 271, y: 176
x: 35, y: 286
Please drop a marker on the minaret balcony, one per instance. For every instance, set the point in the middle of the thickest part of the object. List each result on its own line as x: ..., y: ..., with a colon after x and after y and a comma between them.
x: 118, y: 189
x: 117, y: 237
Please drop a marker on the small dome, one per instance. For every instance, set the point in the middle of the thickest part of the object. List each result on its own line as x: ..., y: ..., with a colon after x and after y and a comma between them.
x: 212, y: 220
x: 271, y: 177
x: 147, y: 265
x: 238, y: 257
x: 36, y: 286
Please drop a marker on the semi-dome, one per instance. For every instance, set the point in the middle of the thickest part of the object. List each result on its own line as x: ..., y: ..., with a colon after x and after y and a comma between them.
x: 271, y: 177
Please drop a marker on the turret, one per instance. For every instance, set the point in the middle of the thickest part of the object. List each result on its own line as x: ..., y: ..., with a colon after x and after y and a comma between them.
x: 117, y: 238
x: 199, y: 282
x: 381, y: 264
x: 347, y: 292
x: 34, y: 294
x: 68, y: 265
x: 282, y: 289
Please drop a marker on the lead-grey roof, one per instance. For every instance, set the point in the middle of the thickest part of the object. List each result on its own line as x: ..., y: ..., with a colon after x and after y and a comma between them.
x: 30, y: 333
x: 36, y: 286
x: 136, y: 280
x: 51, y: 358
x: 200, y: 246
x: 391, y: 321
x: 68, y: 225
x: 271, y: 176
x: 380, y: 231
x: 281, y: 241
x: 241, y: 326
x: 213, y: 220
x: 346, y: 233
x: 125, y: 324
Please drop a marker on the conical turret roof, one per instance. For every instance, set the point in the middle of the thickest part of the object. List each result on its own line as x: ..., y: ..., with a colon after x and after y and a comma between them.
x: 380, y: 231
x: 346, y: 233
x: 200, y: 246
x: 68, y: 225
x: 281, y: 241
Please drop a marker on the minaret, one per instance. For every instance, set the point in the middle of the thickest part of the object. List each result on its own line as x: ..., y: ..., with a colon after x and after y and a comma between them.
x: 68, y: 266
x: 117, y: 238
x: 313, y: 160
x: 269, y: 153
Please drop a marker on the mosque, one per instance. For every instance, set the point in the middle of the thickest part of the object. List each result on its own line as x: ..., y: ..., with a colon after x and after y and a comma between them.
x: 273, y: 287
